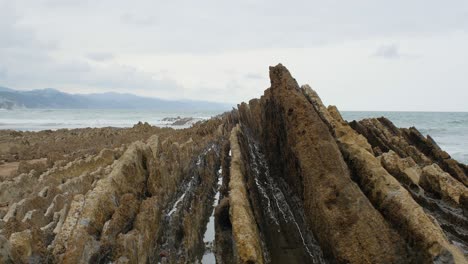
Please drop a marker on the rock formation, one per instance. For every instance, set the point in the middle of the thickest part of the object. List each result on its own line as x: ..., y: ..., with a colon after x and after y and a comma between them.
x: 295, y: 183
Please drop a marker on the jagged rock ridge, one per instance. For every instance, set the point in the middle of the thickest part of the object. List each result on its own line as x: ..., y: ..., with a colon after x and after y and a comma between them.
x: 299, y: 185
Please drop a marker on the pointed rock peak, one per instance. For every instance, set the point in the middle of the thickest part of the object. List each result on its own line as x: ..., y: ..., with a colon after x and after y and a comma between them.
x: 281, y: 77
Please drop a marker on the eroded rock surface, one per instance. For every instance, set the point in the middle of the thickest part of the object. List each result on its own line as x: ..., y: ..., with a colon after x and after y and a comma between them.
x: 286, y: 179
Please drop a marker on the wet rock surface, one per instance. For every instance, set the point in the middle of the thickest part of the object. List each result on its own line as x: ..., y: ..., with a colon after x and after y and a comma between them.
x: 280, y: 179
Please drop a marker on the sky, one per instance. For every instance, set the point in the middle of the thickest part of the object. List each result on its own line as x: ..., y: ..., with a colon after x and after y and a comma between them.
x: 401, y: 55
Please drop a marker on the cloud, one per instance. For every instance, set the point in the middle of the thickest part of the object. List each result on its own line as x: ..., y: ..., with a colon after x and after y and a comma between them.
x: 219, y: 26
x: 138, y: 20
x: 27, y: 62
x: 15, y: 36
x: 3, y: 72
x: 390, y: 51
x: 100, y: 56
x: 114, y: 44
x: 74, y: 75
x: 64, y: 3
x: 253, y: 76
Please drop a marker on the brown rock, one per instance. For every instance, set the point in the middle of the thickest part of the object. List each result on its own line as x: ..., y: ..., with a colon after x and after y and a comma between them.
x: 301, y: 149
x: 5, y: 250
x: 432, y: 150
x: 244, y: 227
x: 436, y: 180
x: 405, y: 169
x: 21, y: 246
x: 394, y: 201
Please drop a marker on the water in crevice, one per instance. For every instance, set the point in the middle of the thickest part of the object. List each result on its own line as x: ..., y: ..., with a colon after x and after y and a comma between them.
x: 283, y: 222
x: 171, y: 232
x: 209, y: 236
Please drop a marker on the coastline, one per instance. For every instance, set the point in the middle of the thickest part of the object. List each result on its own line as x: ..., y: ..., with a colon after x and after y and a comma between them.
x: 293, y: 181
x: 448, y: 129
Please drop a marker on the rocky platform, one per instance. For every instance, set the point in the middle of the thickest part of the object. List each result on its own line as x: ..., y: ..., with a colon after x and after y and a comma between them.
x: 281, y: 179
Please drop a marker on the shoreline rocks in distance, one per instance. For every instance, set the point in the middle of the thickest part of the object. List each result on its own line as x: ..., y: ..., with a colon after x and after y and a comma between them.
x: 180, y: 121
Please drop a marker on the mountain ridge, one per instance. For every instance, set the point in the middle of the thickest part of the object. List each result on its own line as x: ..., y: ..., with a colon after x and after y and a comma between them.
x: 53, y: 98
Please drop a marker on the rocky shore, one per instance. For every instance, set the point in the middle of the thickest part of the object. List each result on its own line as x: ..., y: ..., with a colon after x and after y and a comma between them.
x: 286, y: 179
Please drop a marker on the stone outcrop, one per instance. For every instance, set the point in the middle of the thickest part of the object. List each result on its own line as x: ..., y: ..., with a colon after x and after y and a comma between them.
x: 436, y: 180
x: 303, y: 152
x: 387, y: 194
x: 298, y: 184
x: 244, y: 228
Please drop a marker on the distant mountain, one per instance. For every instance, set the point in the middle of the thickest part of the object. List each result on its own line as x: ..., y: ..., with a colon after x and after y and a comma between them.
x: 4, y: 89
x: 55, y: 99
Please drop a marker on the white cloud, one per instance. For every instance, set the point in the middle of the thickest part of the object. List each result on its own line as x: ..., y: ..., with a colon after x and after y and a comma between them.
x: 100, y: 56
x: 26, y: 62
x: 138, y: 19
x: 254, y: 76
x: 388, y: 51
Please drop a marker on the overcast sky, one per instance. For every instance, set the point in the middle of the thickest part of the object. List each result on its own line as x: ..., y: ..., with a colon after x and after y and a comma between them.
x: 358, y: 55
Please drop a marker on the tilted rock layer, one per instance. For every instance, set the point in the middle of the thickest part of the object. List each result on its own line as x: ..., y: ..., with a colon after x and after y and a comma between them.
x: 295, y: 183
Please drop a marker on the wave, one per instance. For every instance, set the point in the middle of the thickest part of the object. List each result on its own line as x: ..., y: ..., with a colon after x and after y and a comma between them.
x: 458, y: 122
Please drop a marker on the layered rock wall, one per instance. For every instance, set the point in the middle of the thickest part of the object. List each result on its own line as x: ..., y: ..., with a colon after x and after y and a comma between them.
x: 298, y: 185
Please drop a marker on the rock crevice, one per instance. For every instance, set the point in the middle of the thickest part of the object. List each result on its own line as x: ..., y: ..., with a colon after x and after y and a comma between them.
x: 298, y: 184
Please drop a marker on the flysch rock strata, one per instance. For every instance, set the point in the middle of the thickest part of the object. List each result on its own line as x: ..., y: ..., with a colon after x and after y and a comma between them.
x: 298, y: 184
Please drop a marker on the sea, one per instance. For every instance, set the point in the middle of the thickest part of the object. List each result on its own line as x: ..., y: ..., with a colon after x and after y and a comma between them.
x: 449, y: 129
x: 42, y: 119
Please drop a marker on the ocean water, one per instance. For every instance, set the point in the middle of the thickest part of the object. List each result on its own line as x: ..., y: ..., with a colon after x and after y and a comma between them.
x: 449, y: 130
x: 42, y: 119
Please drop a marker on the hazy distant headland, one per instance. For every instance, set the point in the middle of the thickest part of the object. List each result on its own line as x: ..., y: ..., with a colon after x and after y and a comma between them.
x: 55, y: 99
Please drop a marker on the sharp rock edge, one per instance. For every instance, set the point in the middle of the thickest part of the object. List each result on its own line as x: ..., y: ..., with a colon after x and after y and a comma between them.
x: 280, y: 179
